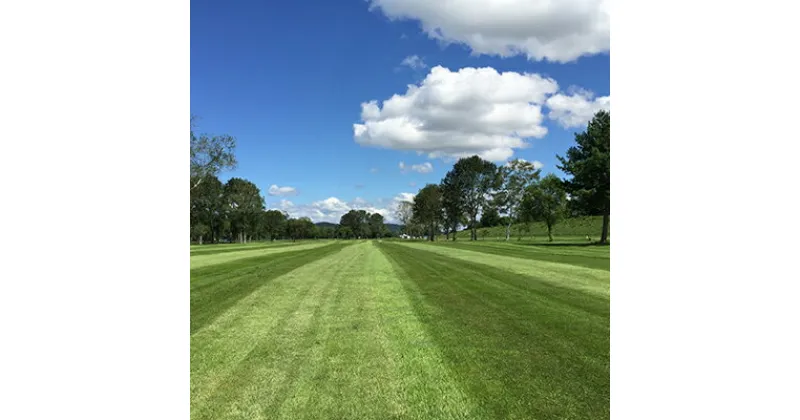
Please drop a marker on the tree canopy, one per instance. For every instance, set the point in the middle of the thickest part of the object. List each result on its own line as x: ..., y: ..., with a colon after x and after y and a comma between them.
x: 209, y: 155
x: 515, y: 177
x: 588, y: 165
x: 545, y: 201
x: 468, y: 186
x: 428, y: 208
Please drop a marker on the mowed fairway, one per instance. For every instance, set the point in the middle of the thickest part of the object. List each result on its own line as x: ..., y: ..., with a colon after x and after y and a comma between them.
x: 391, y: 330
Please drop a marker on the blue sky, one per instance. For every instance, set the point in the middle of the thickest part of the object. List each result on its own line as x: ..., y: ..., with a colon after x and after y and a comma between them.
x: 288, y: 80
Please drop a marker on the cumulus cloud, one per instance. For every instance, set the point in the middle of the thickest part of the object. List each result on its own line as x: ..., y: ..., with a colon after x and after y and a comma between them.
x: 577, y: 108
x: 414, y: 62
x: 275, y: 190
x: 457, y: 114
x: 331, y: 209
x: 559, y: 31
x: 422, y: 168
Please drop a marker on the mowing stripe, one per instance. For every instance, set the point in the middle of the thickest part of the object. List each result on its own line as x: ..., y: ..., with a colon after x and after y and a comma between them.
x: 211, y: 250
x: 219, y: 258
x: 545, y: 253
x: 388, y: 367
x: 216, y: 288
x: 335, y: 339
x: 594, y: 281
x: 236, y: 335
x: 521, y: 348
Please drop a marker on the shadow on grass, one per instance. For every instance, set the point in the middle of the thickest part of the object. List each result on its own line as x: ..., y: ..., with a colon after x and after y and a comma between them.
x: 218, y: 287
x: 521, y: 347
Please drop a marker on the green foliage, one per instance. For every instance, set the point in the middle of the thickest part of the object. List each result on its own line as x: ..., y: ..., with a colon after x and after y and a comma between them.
x: 545, y: 201
x: 210, y: 155
x: 207, y: 210
x: 490, y: 217
x: 428, y: 208
x: 273, y: 223
x: 516, y: 177
x: 466, y: 188
x: 589, y: 165
x: 302, y: 228
x: 357, y: 221
x: 345, y: 232
x: 245, y: 204
x: 376, y: 226
x: 452, y: 203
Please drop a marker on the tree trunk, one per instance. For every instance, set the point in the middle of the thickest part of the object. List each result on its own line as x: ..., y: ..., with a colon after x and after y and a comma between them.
x: 432, y: 232
x: 549, y: 233
x: 200, y: 240
x: 604, y: 233
x: 474, y: 228
x: 508, y: 231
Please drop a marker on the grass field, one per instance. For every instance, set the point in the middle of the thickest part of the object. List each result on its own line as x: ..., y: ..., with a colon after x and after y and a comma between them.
x: 575, y: 227
x: 400, y: 330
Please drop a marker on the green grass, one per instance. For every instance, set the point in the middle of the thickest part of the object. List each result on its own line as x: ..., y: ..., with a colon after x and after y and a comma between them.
x: 575, y: 227
x: 391, y: 330
x: 226, y: 254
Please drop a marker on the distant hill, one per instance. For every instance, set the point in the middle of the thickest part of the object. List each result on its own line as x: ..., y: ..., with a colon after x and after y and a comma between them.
x: 326, y: 225
x: 391, y: 226
x: 394, y: 228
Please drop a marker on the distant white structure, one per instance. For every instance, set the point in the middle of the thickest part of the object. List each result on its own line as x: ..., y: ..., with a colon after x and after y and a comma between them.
x: 404, y: 236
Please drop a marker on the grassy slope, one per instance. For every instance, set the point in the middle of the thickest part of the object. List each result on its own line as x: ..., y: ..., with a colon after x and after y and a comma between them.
x: 395, y: 330
x: 574, y: 226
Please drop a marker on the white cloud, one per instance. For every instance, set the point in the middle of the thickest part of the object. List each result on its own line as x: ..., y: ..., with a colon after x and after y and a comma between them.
x: 331, y: 209
x: 576, y: 109
x: 414, y: 62
x: 422, y: 168
x: 281, y: 191
x: 559, y: 31
x: 457, y: 114
x: 373, y: 170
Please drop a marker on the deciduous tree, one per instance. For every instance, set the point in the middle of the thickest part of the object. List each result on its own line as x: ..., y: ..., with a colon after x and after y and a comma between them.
x: 246, y: 204
x: 376, y: 225
x: 469, y: 184
x: 428, y: 208
x: 209, y: 155
x: 546, y: 202
x: 516, y: 176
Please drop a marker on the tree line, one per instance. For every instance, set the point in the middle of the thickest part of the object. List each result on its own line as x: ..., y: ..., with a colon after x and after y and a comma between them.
x: 235, y: 212
x: 514, y: 193
x: 517, y: 191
